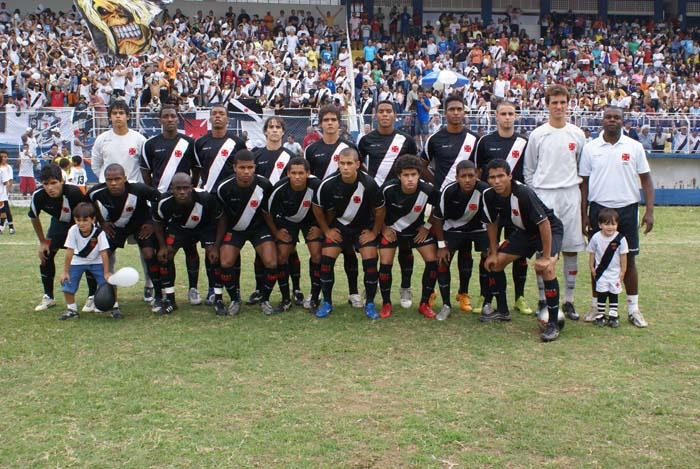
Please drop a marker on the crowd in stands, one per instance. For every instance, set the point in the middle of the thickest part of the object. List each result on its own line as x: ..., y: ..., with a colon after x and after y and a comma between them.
x: 297, y: 59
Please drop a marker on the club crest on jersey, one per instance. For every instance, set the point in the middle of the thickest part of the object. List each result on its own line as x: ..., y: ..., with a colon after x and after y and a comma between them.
x: 357, y: 199
x: 170, y: 240
x: 417, y: 208
x: 129, y: 209
x: 472, y: 206
x: 515, y: 154
x: 178, y: 154
x: 394, y: 148
x: 306, y: 204
x: 280, y: 165
x: 572, y: 146
x: 194, y: 218
x: 224, y: 153
x: 254, y: 203
x: 467, y: 148
x: 625, y: 157
x: 66, y: 210
x: 516, y: 213
x: 335, y: 157
x: 132, y: 151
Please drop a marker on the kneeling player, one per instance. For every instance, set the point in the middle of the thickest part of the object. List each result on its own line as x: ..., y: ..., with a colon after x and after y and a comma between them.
x: 457, y: 224
x: 405, y: 202
x: 349, y: 208
x: 182, y: 218
x: 534, y: 228
x: 290, y: 213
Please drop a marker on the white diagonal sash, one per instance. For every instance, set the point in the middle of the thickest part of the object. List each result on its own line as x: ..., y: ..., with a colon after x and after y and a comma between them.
x: 278, y: 169
x: 66, y: 215
x: 173, y: 162
x: 195, y: 216
x: 333, y: 163
x: 516, y: 152
x: 463, y: 154
x: 246, y: 110
x: 127, y: 211
x: 515, y: 214
x: 411, y: 217
x: 468, y: 214
x: 219, y: 162
x: 353, y: 207
x: 251, y: 208
x: 389, y: 159
x: 303, y: 209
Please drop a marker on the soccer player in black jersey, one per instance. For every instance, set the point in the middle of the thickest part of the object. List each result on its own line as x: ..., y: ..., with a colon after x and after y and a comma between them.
x: 184, y: 217
x: 163, y: 156
x: 507, y: 145
x: 271, y: 163
x: 534, y: 228
x: 445, y: 149
x: 457, y: 224
x: 289, y: 209
x: 349, y: 209
x: 58, y: 199
x: 124, y: 209
x: 244, y: 199
x: 405, y: 200
x: 379, y: 150
x: 323, y: 156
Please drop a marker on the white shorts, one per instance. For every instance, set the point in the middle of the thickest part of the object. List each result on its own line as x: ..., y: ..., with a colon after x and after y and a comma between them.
x: 608, y: 285
x: 566, y: 203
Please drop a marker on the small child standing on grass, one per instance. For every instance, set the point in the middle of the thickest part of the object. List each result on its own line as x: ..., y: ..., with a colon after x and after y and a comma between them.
x: 608, y: 262
x: 78, y: 176
x: 87, y: 250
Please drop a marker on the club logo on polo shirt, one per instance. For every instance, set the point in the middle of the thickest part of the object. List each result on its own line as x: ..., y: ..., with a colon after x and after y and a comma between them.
x: 515, y: 154
x: 625, y: 157
x: 572, y: 146
x: 132, y: 151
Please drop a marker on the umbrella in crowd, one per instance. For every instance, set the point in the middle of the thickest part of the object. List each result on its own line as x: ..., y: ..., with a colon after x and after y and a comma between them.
x: 441, y: 79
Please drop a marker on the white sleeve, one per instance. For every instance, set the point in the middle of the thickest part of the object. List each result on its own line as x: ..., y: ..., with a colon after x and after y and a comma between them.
x: 642, y: 162
x: 70, y: 239
x: 584, y: 166
x: 97, y: 158
x: 102, y: 242
x: 530, y: 159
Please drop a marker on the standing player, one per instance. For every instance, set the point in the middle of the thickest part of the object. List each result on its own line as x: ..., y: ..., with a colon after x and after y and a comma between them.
x: 58, y: 199
x: 163, y: 156
x: 534, y: 228
x: 445, y: 149
x: 507, y: 145
x: 349, y: 209
x: 612, y: 165
x: 551, y: 170
x: 271, y: 162
x: 406, y: 201
x: 244, y: 199
x: 457, y: 224
x: 120, y: 145
x: 184, y: 217
x: 379, y: 150
x: 5, y: 187
x: 289, y: 208
x: 323, y: 157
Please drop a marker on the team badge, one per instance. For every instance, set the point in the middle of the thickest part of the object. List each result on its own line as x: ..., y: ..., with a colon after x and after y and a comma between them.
x: 178, y: 153
x: 132, y: 151
x: 515, y: 154
x: 306, y: 204
x: 467, y: 148
x: 280, y: 165
x: 335, y: 157
x: 194, y: 218
x: 417, y: 208
x: 357, y: 199
x: 395, y: 148
x: 129, y: 209
x: 224, y: 153
x: 170, y: 240
x: 472, y: 206
x: 572, y: 146
x: 516, y: 213
x: 66, y: 210
x: 625, y: 157
x: 254, y: 203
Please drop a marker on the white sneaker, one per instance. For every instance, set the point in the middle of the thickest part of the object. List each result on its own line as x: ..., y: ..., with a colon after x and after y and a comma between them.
x: 637, y: 319
x: 307, y: 302
x: 406, y: 296
x: 89, y: 305
x: 355, y: 301
x: 444, y: 313
x: 46, y: 303
x: 194, y: 297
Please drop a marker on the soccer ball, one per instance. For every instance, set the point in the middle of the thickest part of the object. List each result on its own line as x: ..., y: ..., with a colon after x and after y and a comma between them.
x: 543, y: 319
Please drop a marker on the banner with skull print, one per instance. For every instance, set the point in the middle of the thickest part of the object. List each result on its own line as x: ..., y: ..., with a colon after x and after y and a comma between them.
x: 120, y: 27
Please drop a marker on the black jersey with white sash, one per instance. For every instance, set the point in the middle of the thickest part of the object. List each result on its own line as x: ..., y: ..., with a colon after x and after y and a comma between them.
x: 446, y: 150
x: 493, y: 146
x: 405, y: 213
x: 60, y: 208
x: 244, y: 206
x: 288, y: 206
x: 379, y: 152
x: 459, y: 211
x: 215, y: 157
x: 521, y: 210
x: 129, y: 210
x: 353, y: 204
x: 163, y: 157
x: 271, y: 164
x: 323, y: 157
x: 204, y: 212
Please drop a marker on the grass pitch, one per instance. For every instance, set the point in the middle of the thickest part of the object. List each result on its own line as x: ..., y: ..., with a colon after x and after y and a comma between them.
x: 196, y: 390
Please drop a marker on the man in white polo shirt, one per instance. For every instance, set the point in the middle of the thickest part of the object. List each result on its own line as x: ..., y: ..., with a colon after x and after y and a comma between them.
x: 612, y: 166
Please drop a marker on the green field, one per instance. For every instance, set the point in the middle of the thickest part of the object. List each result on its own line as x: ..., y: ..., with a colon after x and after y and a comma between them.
x: 196, y: 390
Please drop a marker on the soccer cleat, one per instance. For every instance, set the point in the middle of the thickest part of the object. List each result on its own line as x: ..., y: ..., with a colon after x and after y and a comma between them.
x: 431, y: 300
x: 89, y: 305
x: 148, y: 294
x: 156, y: 305
x: 386, y: 311
x: 570, y: 311
x: 298, y: 297
x: 371, y: 311
x: 220, y: 308
x: 46, y: 303
x: 117, y: 313
x: 614, y: 322
x: 211, y: 297
x: 307, y: 303
x: 406, y: 295
x: 194, y: 297
x: 267, y: 308
x: 426, y: 311
x: 234, y: 308
x: 637, y: 319
x: 166, y: 307
x: 313, y: 306
x: 551, y: 333
x: 69, y: 314
x: 12, y: 231
x: 355, y: 300
x: 254, y: 298
x: 521, y: 306
x: 284, y: 305
x: 591, y: 315
x: 444, y: 313
x: 479, y: 304
x: 324, y: 310
x: 489, y: 314
x: 600, y: 320
x: 465, y: 302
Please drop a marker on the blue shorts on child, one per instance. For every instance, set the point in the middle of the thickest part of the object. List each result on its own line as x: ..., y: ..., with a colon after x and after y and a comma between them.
x: 76, y: 272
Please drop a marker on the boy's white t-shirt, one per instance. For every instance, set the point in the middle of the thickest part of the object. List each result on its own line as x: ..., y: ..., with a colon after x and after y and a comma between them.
x: 76, y: 241
x: 598, y: 245
x: 5, y: 175
x: 77, y: 177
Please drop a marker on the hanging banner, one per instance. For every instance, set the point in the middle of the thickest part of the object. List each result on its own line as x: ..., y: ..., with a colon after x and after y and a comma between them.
x: 50, y: 125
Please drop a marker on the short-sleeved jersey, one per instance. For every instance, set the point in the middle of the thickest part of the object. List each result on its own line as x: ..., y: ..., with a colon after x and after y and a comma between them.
x: 459, y: 211
x: 204, y: 212
x: 379, y: 152
x: 552, y: 156
x: 121, y: 149
x: 521, y: 210
x: 493, y: 146
x: 86, y: 248
x: 129, y: 210
x: 323, y: 157
x: 244, y: 205
x: 352, y: 203
x: 215, y: 157
x: 60, y: 208
x: 271, y: 164
x: 5, y: 176
x: 289, y: 206
x: 598, y: 245
x: 446, y: 150
x: 163, y: 157
x: 405, y: 213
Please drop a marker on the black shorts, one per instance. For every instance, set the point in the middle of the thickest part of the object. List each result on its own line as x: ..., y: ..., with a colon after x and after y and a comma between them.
x: 405, y: 240
x: 462, y: 241
x: 122, y: 234
x: 256, y: 236
x: 522, y: 244
x: 294, y: 233
x: 57, y: 234
x: 351, y: 239
x: 628, y: 225
x: 177, y: 237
